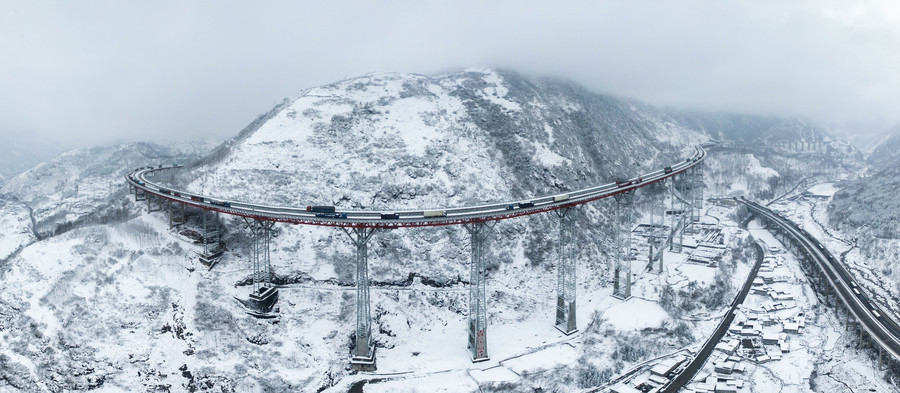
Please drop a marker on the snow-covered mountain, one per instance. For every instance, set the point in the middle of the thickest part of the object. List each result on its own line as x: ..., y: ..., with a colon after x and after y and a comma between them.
x: 392, y: 141
x: 877, y: 191
x: 22, y: 150
x: 82, y: 184
x: 887, y: 153
x: 17, y: 230
x: 380, y: 141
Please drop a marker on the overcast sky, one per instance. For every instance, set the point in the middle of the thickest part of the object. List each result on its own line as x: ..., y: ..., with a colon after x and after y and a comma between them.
x: 91, y: 72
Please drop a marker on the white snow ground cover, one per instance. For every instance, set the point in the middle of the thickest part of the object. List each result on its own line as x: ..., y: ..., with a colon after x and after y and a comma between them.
x: 824, y: 356
x: 823, y: 189
x: 821, y: 357
x: 16, y: 224
x: 636, y: 314
x: 128, y: 306
x: 139, y: 286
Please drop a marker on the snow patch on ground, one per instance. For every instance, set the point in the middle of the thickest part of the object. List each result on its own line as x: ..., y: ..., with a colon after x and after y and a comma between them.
x: 496, y: 92
x: 636, y: 314
x: 824, y: 189
x: 702, y: 274
x: 16, y: 224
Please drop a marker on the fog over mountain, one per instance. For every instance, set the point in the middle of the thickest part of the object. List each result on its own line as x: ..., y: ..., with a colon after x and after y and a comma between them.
x: 178, y: 69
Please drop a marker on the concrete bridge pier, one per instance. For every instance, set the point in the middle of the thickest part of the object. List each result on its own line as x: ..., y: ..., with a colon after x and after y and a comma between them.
x: 859, y: 342
x: 154, y: 203
x: 176, y: 214
x: 622, y: 269
x: 211, y: 238
x: 262, y: 299
x: 363, y: 357
x: 846, y: 319
x: 676, y: 213
x: 658, y: 235
x: 566, y: 272
x: 477, y: 331
x: 696, y: 179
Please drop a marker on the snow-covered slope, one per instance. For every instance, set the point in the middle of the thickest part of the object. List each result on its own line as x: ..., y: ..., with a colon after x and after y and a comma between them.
x: 16, y: 224
x: 82, y: 182
x: 877, y: 191
x: 392, y: 141
x: 752, y: 128
x: 381, y: 141
x: 22, y: 150
x: 887, y: 153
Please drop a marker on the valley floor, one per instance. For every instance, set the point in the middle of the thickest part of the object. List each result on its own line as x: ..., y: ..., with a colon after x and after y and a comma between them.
x: 128, y: 307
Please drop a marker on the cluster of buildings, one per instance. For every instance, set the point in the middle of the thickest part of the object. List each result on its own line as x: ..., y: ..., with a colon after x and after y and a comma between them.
x: 709, y: 247
x: 657, y: 377
x: 760, y: 333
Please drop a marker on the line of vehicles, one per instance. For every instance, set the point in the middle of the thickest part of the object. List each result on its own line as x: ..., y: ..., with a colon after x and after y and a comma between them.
x: 839, y: 272
x: 174, y: 192
x: 499, y: 210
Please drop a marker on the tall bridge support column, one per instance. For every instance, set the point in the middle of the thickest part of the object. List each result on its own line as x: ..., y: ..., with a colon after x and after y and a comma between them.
x: 622, y: 270
x: 696, y: 191
x: 363, y: 357
x: 477, y: 344
x: 211, y: 238
x: 859, y: 342
x: 566, y: 272
x: 176, y: 214
x: 659, y: 236
x: 676, y: 214
x: 264, y: 295
x: 151, y: 206
x: 846, y: 319
x: 663, y: 237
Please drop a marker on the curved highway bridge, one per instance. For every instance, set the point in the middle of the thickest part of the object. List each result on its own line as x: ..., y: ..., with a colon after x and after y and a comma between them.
x: 871, y: 318
x: 361, y: 225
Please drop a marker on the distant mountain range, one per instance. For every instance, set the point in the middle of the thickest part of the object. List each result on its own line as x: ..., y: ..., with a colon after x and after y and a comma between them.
x: 872, y: 201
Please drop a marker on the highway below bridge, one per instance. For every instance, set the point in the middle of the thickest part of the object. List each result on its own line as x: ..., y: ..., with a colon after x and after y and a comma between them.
x: 870, y: 317
x: 873, y: 320
x: 360, y: 226
x: 702, y: 356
